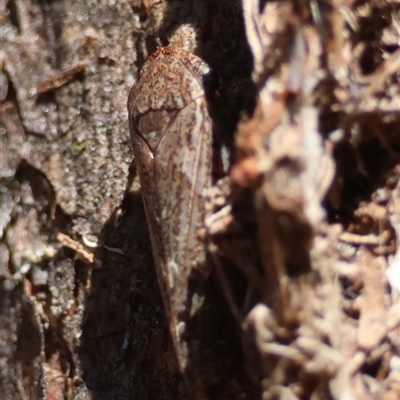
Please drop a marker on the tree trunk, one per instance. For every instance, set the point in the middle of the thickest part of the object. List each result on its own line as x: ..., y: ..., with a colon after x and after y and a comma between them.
x: 305, y: 245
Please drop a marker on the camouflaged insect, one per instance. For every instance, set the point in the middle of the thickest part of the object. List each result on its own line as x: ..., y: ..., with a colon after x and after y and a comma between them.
x: 171, y: 133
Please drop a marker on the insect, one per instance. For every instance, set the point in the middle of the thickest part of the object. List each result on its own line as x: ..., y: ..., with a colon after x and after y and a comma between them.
x: 171, y: 133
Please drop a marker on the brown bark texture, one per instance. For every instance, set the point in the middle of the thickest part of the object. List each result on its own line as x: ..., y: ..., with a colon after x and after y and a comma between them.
x: 305, y: 226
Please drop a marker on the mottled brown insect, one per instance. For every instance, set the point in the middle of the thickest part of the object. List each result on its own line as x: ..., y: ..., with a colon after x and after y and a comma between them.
x: 171, y: 132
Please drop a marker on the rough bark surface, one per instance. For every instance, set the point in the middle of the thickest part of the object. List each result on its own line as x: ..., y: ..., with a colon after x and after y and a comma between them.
x: 305, y: 237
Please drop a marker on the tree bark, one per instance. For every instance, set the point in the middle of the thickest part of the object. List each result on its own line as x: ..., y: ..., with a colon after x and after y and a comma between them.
x: 81, y: 316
